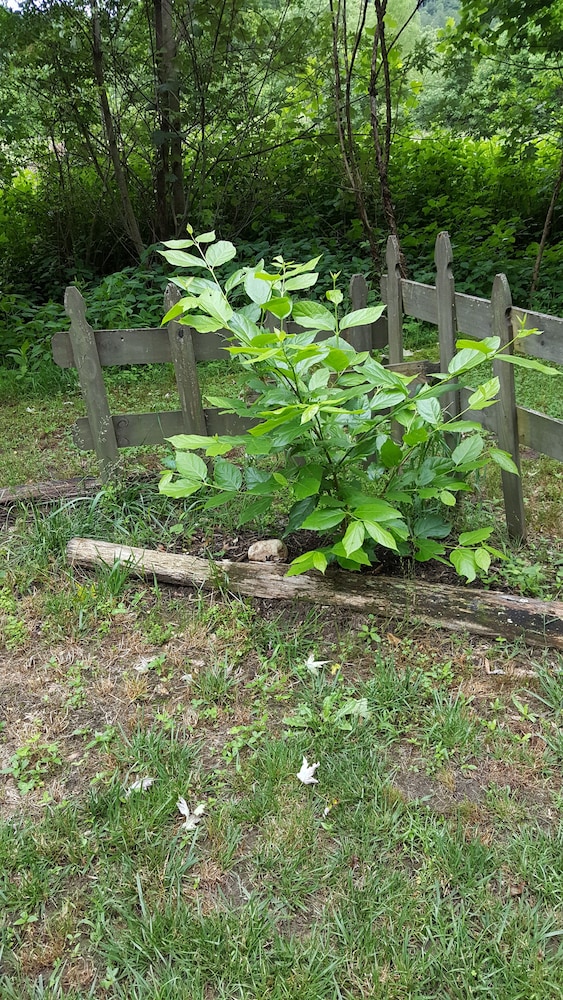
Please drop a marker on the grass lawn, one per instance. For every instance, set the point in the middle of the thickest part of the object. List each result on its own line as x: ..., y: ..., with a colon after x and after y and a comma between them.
x: 427, y: 862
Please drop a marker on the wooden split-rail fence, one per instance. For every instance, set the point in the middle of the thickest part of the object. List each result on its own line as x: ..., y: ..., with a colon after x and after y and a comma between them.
x: 452, y: 313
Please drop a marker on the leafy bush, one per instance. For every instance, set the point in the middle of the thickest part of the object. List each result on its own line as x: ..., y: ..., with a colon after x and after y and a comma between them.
x: 359, y: 452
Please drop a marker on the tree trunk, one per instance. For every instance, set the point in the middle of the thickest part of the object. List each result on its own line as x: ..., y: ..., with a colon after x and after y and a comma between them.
x: 131, y: 224
x: 343, y: 105
x: 170, y: 195
x: 547, y: 227
x: 382, y: 146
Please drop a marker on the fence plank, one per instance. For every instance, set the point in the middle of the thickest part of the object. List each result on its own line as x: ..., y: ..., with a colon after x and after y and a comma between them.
x: 180, y: 338
x: 447, y: 319
x: 394, y: 301
x: 505, y: 411
x: 133, y: 430
x: 91, y: 382
x: 359, y: 336
x: 475, y: 318
x: 535, y: 430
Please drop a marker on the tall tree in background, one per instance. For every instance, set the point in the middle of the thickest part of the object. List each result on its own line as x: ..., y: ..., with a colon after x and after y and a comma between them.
x: 529, y: 32
x: 369, y: 66
x: 169, y: 174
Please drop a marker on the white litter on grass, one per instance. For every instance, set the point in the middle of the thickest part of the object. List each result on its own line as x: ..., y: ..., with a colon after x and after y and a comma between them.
x: 141, y: 785
x: 313, y: 665
x: 307, y: 773
x: 191, y: 818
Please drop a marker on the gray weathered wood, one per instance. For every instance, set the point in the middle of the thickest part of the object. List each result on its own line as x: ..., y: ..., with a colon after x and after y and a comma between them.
x: 132, y: 430
x: 447, y: 320
x: 185, y: 369
x: 535, y: 430
x: 91, y: 382
x: 359, y: 336
x: 505, y: 410
x: 454, y: 608
x: 394, y: 301
x: 48, y: 492
x: 474, y: 318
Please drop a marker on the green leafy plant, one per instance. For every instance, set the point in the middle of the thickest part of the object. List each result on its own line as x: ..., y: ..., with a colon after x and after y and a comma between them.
x: 32, y: 762
x: 360, y: 453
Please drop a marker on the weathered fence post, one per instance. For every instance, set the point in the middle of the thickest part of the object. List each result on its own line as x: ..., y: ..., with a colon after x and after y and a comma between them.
x: 185, y: 369
x: 87, y: 363
x: 394, y: 301
x: 447, y: 320
x: 505, y: 409
x: 359, y: 336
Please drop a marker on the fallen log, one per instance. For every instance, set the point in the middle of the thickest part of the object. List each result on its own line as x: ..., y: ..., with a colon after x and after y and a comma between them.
x: 48, y: 492
x: 458, y: 609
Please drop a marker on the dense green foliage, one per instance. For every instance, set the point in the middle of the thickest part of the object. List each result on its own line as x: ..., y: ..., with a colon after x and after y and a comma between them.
x: 244, y: 99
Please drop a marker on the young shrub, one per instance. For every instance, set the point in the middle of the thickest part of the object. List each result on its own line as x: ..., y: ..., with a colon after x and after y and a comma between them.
x: 324, y: 438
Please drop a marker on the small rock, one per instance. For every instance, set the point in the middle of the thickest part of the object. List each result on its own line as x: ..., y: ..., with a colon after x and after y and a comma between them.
x: 268, y: 550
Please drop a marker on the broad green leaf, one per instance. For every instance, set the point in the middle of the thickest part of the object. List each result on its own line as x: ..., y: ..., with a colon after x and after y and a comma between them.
x: 309, y: 265
x: 464, y: 562
x: 474, y: 537
x: 302, y: 281
x: 189, y: 442
x: 313, y: 316
x: 205, y: 324
x: 362, y: 317
x: 462, y: 425
x: 390, y: 454
x: 235, y: 279
x: 309, y: 560
x: 191, y: 466
x: 258, y: 290
x: 280, y: 307
x: 175, y: 310
x: 485, y: 395
x: 179, y: 488
x: 298, y: 513
x: 485, y: 346
x: 309, y: 413
x: 226, y: 475
x: 447, y: 498
x: 503, y: 459
x: 417, y: 436
x: 427, y: 548
x: 335, y: 296
x: 483, y: 559
x: 521, y: 362
x: 324, y: 519
x: 219, y: 500
x: 350, y: 560
x: 337, y: 359
x: 308, y: 482
x: 180, y: 259
x: 353, y: 537
x: 319, y: 379
x: 431, y: 526
x: 429, y: 409
x: 380, y: 535
x: 468, y: 450
x: 219, y: 253
x: 376, y: 510
x: 205, y: 237
x: 465, y: 359
x: 178, y: 244
x: 244, y: 327
x: 213, y: 301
